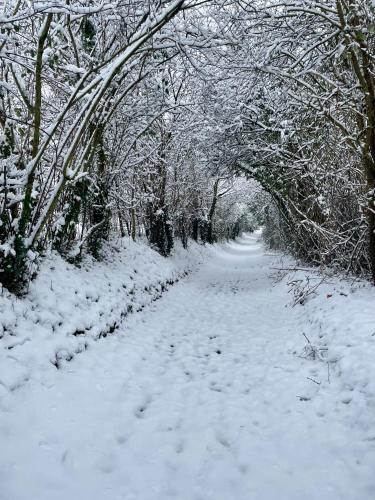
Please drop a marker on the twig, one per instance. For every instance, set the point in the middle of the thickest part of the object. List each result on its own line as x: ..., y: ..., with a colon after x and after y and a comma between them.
x: 312, y: 380
x: 306, y: 338
x: 296, y: 269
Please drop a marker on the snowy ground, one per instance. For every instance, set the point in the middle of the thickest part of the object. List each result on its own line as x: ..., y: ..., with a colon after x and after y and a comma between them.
x: 203, y: 396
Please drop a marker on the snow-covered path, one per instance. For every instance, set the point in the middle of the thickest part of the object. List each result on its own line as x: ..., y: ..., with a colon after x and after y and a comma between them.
x: 196, y: 398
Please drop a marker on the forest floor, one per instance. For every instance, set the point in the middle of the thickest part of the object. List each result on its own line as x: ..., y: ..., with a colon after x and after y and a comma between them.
x: 210, y: 393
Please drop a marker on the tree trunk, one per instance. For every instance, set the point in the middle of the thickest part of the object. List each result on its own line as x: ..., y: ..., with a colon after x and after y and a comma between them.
x: 100, y: 213
x: 210, y: 231
x: 133, y: 223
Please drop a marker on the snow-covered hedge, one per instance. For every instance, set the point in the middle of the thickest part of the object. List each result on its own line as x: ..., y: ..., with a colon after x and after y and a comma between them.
x: 67, y: 308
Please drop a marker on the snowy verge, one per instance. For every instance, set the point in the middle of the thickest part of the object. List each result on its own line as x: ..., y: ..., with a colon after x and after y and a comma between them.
x: 67, y: 308
x: 337, y: 340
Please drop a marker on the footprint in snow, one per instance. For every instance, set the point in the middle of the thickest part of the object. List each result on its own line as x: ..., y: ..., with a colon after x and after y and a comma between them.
x: 223, y: 440
x: 121, y: 439
x: 214, y: 387
x: 140, y: 411
x: 179, y: 447
x: 243, y: 468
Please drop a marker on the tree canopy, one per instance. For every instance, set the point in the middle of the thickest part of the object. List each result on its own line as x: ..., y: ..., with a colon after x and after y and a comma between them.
x: 186, y: 119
